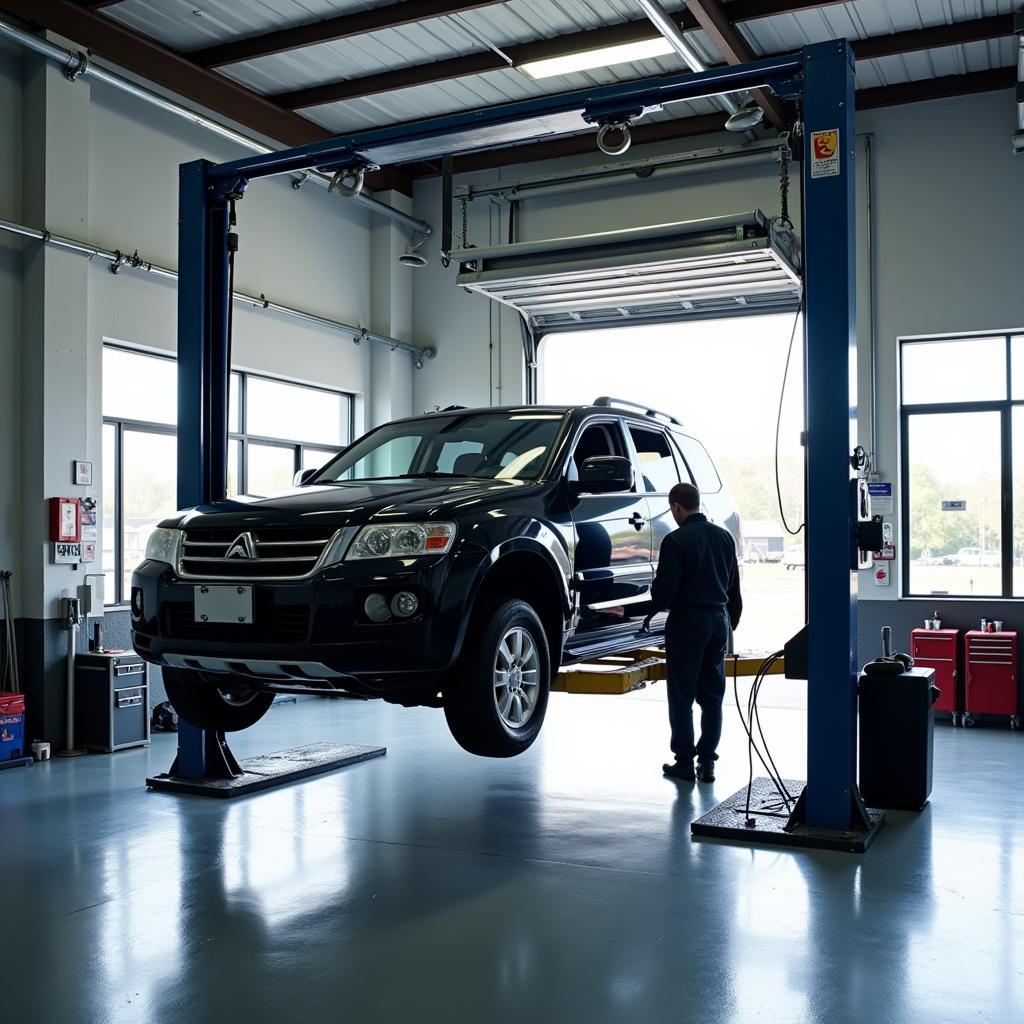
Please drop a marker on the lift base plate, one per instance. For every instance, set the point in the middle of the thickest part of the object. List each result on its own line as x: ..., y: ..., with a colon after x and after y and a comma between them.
x: 726, y: 821
x: 269, y: 770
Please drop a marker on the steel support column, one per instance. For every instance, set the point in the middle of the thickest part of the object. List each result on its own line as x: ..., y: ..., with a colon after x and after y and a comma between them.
x: 830, y: 351
x: 204, y: 307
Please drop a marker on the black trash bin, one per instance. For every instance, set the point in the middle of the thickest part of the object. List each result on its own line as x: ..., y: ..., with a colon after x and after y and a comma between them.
x: 896, y: 738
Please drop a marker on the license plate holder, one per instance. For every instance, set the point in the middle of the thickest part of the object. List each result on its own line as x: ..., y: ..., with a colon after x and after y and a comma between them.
x: 223, y: 605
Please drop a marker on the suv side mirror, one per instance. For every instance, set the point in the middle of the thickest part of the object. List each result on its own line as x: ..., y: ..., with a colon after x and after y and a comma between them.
x: 302, y: 476
x: 605, y: 474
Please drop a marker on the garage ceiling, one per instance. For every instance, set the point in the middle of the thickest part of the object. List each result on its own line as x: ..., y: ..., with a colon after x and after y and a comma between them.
x: 300, y: 70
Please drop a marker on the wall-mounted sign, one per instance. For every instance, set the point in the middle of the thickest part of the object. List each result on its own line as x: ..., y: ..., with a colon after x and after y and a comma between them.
x: 825, y: 154
x: 65, y: 553
x: 83, y: 474
x: 881, y: 574
x: 881, y: 499
x: 954, y: 506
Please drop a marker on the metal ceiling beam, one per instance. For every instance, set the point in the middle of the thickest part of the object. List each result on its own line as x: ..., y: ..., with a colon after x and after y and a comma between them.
x: 707, y: 124
x: 632, y: 31
x: 712, y: 17
x: 934, y: 38
x: 344, y: 26
x: 155, y: 63
x: 95, y: 5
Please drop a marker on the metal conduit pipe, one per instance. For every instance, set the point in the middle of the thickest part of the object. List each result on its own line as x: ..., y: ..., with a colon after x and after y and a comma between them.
x: 670, y: 30
x: 120, y: 259
x: 77, y: 64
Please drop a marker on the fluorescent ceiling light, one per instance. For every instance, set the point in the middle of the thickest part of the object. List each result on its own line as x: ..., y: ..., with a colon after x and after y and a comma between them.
x: 602, y: 58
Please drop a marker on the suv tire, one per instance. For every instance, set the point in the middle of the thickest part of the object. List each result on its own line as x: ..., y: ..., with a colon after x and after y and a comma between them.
x: 202, y: 703
x: 496, y: 704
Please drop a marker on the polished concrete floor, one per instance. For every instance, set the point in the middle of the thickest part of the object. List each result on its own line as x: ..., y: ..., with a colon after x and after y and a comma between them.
x: 562, y: 886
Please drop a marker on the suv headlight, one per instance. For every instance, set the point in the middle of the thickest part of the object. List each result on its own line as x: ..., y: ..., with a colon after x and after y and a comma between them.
x: 409, y: 540
x: 164, y: 546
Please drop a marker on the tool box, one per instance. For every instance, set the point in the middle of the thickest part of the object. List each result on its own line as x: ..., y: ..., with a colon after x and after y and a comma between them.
x: 12, y: 726
x: 939, y: 649
x: 991, y: 677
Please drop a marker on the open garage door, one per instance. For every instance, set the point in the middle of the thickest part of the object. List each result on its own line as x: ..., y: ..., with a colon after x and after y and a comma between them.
x: 690, y: 270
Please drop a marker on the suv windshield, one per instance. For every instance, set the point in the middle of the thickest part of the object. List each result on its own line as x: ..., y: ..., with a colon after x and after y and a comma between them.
x: 501, y: 446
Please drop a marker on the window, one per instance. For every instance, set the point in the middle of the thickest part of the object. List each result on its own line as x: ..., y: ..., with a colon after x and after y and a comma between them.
x: 657, y: 463
x: 702, y: 469
x: 275, y: 429
x: 963, y: 441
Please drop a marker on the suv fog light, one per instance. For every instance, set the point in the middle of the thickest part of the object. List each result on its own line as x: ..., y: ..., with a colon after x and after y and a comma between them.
x: 404, y: 604
x: 137, y: 602
x: 376, y: 608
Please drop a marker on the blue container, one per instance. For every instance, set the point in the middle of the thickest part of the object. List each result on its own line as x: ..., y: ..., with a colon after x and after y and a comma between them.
x: 12, y: 726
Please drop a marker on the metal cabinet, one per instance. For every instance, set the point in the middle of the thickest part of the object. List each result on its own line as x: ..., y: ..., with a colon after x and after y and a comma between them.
x: 111, y: 701
x: 991, y: 676
x: 939, y: 649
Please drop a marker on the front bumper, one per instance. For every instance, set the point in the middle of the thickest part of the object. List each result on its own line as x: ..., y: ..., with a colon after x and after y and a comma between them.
x: 305, y: 631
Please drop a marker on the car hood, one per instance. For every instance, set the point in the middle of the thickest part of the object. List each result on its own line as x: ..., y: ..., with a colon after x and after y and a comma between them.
x: 352, y: 502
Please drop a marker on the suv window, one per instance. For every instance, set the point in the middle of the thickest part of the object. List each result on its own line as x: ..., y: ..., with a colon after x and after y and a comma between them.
x: 505, y: 446
x: 597, y: 439
x: 657, y: 464
x: 705, y: 476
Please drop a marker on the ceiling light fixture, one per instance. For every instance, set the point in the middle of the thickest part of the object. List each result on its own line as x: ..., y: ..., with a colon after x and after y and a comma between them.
x: 606, y: 56
x: 747, y: 117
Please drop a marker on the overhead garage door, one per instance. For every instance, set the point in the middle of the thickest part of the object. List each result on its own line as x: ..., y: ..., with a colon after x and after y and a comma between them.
x: 716, y: 267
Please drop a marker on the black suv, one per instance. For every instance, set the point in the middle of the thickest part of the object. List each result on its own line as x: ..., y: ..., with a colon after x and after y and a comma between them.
x: 454, y: 560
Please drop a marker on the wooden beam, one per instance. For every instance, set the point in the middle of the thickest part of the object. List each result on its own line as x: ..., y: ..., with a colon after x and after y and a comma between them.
x: 344, y: 26
x: 937, y: 88
x: 934, y: 38
x: 736, y: 50
x: 142, y: 56
x: 707, y: 124
x: 632, y: 31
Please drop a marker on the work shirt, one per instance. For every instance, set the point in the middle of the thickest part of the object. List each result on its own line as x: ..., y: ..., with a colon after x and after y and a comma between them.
x: 697, y: 569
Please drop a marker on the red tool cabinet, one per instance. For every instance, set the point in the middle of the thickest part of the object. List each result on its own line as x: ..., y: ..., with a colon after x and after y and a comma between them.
x: 939, y: 649
x: 991, y: 676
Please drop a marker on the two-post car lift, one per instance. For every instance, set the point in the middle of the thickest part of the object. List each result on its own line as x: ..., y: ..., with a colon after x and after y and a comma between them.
x: 820, y: 79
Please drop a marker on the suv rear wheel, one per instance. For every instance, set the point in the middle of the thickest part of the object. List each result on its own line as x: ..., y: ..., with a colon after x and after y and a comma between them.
x: 496, y: 705
x: 219, y: 704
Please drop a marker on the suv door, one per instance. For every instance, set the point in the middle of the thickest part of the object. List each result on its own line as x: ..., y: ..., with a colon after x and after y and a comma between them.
x: 659, y: 469
x: 612, y: 570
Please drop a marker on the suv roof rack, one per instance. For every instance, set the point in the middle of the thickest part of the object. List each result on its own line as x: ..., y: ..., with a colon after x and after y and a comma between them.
x: 607, y: 400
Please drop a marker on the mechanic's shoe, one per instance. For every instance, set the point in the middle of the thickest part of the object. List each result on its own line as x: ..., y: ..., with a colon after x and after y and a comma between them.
x: 706, y: 771
x: 682, y: 770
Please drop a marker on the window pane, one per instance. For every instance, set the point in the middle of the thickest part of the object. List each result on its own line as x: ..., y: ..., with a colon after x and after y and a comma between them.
x: 271, y: 468
x: 656, y: 462
x: 292, y: 412
x: 390, y: 459
x: 234, y: 413
x: 234, y: 466
x: 1018, y: 501
x: 705, y: 476
x: 963, y: 370
x: 955, y: 457
x: 139, y: 387
x: 109, y: 470
x: 314, y: 458
x: 1017, y: 366
x: 150, y: 492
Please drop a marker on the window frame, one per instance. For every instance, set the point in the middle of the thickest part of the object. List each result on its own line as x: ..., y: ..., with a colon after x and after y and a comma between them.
x: 119, y: 600
x: 673, y: 453
x: 1004, y: 407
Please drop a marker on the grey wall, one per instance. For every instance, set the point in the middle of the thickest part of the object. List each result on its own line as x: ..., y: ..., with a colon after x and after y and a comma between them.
x: 948, y: 220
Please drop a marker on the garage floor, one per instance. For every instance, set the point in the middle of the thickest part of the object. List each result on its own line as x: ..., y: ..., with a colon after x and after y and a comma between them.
x: 562, y: 886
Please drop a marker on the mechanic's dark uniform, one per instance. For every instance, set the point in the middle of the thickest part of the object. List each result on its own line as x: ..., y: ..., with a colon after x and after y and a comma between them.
x: 698, y: 582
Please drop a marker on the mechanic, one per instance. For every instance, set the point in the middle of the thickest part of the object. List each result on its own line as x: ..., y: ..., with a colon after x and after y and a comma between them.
x: 698, y: 584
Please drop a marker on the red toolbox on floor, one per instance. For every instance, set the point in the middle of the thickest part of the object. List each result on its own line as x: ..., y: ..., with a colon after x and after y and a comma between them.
x: 12, y: 726
x: 939, y: 649
x: 991, y: 676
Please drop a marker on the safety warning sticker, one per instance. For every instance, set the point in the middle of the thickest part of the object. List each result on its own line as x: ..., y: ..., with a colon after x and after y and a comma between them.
x: 825, y: 153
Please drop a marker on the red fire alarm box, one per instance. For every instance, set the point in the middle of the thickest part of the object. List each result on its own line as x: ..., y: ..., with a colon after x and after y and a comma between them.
x: 939, y: 649
x: 65, y: 520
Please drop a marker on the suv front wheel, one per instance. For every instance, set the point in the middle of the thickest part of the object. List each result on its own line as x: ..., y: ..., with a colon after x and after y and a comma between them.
x: 218, y: 703
x: 497, y: 703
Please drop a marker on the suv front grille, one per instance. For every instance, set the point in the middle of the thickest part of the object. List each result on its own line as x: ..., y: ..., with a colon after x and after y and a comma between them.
x: 282, y: 552
x: 275, y: 624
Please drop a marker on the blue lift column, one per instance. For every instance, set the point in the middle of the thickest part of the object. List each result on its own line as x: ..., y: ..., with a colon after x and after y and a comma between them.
x: 830, y: 353
x: 204, y: 307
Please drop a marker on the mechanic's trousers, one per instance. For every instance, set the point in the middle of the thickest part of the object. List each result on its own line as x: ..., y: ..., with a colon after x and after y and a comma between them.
x: 695, y: 644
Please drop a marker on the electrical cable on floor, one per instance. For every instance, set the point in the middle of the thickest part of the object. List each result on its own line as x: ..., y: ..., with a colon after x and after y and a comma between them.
x: 778, y: 424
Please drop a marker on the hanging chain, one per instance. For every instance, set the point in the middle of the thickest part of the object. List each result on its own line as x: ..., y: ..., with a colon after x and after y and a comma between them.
x: 465, y: 223
x: 784, y: 155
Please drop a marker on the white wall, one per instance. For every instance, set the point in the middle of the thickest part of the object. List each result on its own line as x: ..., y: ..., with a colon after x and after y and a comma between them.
x: 10, y: 314
x: 948, y: 223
